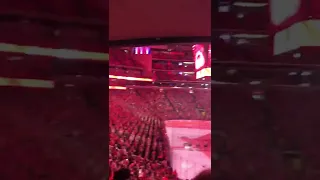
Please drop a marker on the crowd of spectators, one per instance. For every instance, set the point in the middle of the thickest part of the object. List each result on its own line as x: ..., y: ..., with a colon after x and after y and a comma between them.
x: 138, y: 139
x: 137, y: 142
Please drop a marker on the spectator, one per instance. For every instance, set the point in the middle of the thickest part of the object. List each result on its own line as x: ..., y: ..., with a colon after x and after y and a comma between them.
x: 122, y: 174
x: 204, y: 175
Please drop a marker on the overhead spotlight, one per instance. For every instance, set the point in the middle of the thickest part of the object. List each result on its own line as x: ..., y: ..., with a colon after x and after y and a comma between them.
x: 180, y: 64
x: 191, y: 91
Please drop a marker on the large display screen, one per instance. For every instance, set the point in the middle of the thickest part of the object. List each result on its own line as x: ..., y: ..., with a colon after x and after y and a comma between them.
x: 202, y: 60
x: 199, y: 56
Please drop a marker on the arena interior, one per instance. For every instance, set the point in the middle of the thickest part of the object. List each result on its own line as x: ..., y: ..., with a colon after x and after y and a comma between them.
x: 159, y: 99
x: 160, y: 112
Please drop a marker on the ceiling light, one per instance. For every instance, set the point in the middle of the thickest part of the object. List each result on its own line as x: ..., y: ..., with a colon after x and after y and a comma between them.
x: 224, y: 8
x: 292, y: 73
x: 240, y: 15
x: 231, y: 71
x: 255, y: 82
x: 258, y: 95
x: 297, y: 55
x: 225, y: 36
x: 306, y: 73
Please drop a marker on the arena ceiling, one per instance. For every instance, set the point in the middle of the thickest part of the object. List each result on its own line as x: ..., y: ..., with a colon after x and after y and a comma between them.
x: 157, y: 19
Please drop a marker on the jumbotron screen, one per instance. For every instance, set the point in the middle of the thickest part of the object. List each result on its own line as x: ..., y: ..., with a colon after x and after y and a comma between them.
x: 202, y: 59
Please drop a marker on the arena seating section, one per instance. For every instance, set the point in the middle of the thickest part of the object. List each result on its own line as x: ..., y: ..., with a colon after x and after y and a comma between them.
x: 137, y: 134
x: 119, y: 58
x: 51, y: 134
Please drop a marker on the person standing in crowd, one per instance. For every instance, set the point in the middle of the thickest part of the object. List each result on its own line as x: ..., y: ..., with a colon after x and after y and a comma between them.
x: 204, y: 175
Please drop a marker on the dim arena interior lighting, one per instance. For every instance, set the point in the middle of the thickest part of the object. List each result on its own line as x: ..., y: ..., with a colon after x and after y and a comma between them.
x: 130, y: 78
x: 118, y: 87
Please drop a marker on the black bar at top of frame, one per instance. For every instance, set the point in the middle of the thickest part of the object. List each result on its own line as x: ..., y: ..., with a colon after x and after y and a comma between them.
x: 158, y: 41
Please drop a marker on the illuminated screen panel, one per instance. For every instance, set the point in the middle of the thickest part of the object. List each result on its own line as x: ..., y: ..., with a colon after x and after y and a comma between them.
x: 141, y: 50
x: 199, y: 56
x: 205, y: 72
x: 202, y: 59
